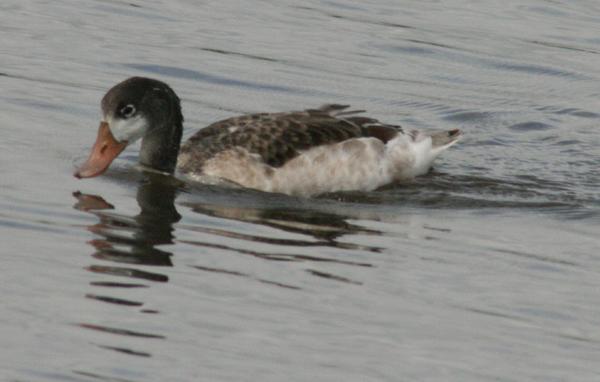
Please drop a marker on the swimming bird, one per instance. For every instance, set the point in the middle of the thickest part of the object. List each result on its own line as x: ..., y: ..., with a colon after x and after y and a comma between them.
x: 305, y: 153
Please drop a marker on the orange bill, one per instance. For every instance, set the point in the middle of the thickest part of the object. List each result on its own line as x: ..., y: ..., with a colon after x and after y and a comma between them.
x: 105, y: 150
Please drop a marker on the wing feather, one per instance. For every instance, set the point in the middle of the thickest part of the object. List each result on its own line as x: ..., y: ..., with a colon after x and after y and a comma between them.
x: 279, y: 137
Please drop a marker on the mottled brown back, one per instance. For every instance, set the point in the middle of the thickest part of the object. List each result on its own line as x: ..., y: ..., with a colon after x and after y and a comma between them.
x: 279, y: 137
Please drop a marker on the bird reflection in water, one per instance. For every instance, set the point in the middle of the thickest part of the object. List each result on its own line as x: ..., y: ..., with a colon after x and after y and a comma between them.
x: 126, y: 243
x: 325, y: 228
x: 305, y: 217
x: 134, y: 240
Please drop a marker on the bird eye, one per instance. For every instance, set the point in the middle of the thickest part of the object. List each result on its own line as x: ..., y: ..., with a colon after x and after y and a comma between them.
x: 127, y: 111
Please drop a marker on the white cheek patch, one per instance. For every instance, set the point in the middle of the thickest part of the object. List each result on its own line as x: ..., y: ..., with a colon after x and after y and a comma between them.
x: 129, y: 130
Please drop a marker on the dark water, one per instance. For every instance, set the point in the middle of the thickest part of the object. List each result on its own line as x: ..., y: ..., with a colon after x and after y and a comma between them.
x: 487, y: 269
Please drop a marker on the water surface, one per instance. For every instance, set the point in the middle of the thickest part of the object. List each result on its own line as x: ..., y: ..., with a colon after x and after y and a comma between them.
x: 486, y: 269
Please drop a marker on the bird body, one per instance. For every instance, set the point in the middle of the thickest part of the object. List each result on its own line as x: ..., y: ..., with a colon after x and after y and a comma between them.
x: 305, y: 153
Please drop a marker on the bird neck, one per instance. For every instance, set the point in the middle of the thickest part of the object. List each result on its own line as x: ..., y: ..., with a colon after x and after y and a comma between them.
x: 160, y: 147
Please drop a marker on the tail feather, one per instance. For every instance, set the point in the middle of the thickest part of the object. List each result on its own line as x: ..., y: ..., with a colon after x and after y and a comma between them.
x: 441, y: 139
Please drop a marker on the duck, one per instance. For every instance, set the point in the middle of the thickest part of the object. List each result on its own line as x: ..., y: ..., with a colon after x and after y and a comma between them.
x: 304, y: 153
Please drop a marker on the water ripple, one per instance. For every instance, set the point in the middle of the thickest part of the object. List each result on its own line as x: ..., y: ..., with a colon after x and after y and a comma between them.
x: 530, y: 126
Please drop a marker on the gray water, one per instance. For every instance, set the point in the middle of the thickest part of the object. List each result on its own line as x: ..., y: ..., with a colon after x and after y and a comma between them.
x: 487, y: 269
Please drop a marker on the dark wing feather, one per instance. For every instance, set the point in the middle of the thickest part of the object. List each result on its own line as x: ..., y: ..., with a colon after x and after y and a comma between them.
x: 279, y: 137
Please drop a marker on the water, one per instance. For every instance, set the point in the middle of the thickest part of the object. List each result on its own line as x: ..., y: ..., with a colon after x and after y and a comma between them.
x: 487, y: 269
